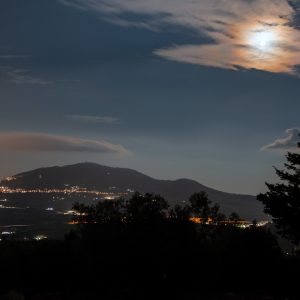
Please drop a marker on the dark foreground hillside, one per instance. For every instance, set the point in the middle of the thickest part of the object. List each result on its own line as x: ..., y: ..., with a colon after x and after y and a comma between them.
x: 137, y: 251
x: 148, y: 263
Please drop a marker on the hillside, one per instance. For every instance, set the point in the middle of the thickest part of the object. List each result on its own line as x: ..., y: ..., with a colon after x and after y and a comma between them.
x: 104, y: 178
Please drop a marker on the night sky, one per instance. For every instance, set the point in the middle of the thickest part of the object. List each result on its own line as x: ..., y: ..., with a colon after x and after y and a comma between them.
x: 207, y: 89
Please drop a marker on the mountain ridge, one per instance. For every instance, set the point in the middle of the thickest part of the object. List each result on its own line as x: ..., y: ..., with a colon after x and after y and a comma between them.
x: 95, y: 176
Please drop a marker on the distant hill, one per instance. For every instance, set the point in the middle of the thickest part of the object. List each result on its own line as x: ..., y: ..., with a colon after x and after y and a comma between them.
x: 104, y: 178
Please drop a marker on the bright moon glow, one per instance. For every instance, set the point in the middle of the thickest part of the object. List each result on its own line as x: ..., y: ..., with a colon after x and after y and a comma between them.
x: 262, y: 39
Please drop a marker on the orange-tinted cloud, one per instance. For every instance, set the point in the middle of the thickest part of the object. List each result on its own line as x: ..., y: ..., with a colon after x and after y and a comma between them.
x: 55, y: 143
x: 229, y: 23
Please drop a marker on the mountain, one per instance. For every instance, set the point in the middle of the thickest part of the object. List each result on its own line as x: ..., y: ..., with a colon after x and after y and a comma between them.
x: 104, y: 178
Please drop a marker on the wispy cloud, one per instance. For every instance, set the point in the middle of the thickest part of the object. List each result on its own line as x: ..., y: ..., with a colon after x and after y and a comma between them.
x: 289, y: 142
x: 28, y: 141
x: 234, y: 26
x: 93, y: 119
x: 23, y: 76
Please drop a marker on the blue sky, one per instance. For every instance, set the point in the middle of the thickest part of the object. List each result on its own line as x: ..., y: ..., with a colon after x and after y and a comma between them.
x: 158, y: 88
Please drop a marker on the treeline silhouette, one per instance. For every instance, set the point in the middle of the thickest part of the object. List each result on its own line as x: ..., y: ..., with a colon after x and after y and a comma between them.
x: 143, y: 249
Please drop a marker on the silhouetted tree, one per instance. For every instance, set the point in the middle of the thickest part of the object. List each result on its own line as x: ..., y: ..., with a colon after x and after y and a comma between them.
x: 180, y: 213
x: 83, y: 213
x: 214, y: 213
x: 234, y: 217
x: 148, y: 207
x: 200, y: 206
x: 282, y: 201
x: 220, y: 218
x: 109, y: 211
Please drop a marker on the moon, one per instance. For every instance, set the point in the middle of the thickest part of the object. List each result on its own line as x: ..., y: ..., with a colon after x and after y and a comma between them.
x: 262, y: 39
